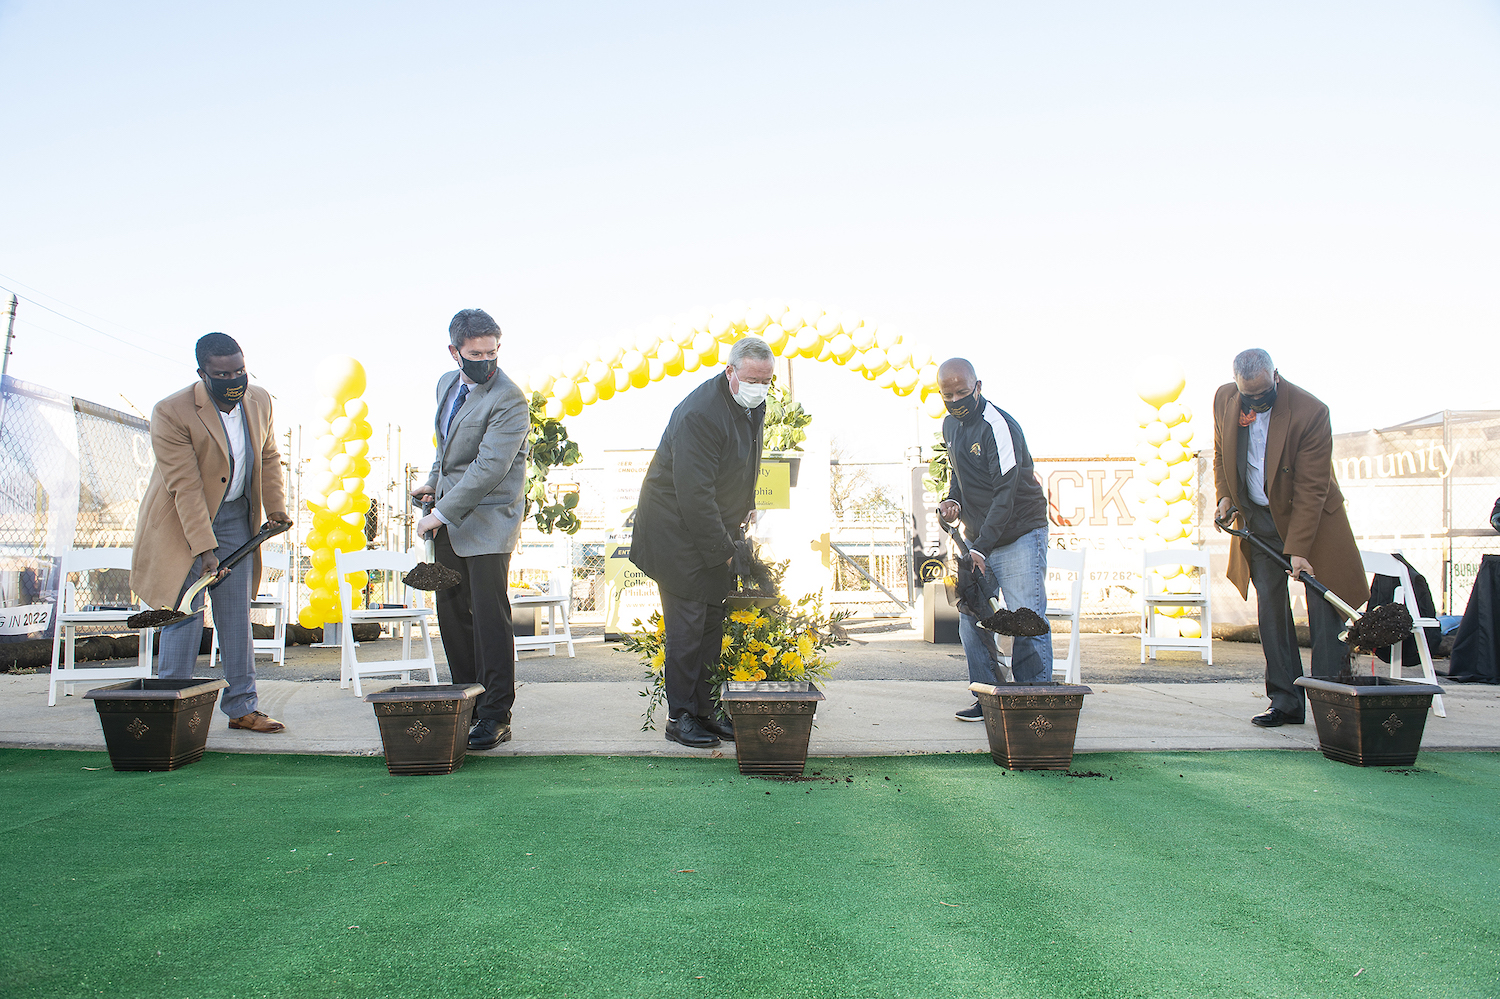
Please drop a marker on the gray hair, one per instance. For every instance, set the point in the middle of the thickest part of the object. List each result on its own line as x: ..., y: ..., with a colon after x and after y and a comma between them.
x: 1253, y: 362
x: 750, y: 348
x: 471, y: 323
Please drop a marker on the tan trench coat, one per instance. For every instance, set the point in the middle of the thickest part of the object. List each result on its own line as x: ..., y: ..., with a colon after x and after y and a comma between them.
x: 1305, y: 499
x: 175, y: 524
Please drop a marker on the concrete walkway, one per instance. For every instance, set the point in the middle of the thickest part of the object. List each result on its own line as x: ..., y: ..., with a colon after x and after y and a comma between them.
x: 892, y: 705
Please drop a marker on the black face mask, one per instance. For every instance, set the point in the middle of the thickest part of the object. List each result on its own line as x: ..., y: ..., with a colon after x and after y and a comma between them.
x: 479, y: 372
x: 1261, y: 403
x: 228, y: 389
x: 964, y: 408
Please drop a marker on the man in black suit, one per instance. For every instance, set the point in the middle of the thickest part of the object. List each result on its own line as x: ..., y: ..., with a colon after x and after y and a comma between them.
x: 698, y: 492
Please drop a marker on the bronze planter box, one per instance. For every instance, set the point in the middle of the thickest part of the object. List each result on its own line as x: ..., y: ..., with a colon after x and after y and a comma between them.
x: 772, y: 725
x: 1369, y: 721
x: 1031, y: 726
x: 423, y: 727
x: 155, y: 724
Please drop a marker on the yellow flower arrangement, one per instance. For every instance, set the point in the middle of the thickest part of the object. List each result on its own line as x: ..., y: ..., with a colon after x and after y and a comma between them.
x: 782, y: 642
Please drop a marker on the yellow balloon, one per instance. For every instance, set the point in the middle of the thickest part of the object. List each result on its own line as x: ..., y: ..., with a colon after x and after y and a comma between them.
x: 357, y: 448
x: 641, y: 378
x: 358, y: 580
x: 356, y: 409
x: 341, y: 377
x: 1190, y: 628
x: 328, y: 408
x: 554, y: 411
x: 1159, y: 381
x: 875, y: 361
x: 362, y: 467
x: 362, y: 430
x: 309, y: 618
x: 690, y: 360
x: 606, y: 389
x: 1156, y: 433
x: 632, y: 362
x: 903, y: 392
x: 322, y: 561
x: 566, y: 390
x: 776, y: 338
x: 1154, y: 471
x: 825, y: 352
x: 710, y: 356
x: 1171, y: 452
x: 573, y: 406
x: 340, y: 502
x: 933, y: 407
x: 322, y: 521
x: 1183, y: 433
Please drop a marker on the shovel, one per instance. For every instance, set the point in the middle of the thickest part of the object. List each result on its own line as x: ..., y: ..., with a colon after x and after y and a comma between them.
x: 169, y: 618
x: 1388, y: 624
x: 429, y: 575
x: 1024, y: 623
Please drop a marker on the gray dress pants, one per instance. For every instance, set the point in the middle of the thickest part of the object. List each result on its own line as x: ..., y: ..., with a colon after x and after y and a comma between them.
x: 231, y: 604
x: 1278, y: 634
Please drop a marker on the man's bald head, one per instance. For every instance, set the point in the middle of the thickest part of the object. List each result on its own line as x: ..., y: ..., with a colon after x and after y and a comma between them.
x: 956, y: 379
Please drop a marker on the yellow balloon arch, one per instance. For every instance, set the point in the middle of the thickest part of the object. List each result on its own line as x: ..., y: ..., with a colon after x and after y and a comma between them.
x: 669, y: 347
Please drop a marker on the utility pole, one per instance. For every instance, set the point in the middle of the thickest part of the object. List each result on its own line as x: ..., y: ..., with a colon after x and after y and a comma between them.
x: 10, y: 334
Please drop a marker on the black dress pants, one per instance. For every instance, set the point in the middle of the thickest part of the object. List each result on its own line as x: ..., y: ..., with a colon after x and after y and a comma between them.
x: 1278, y: 634
x: 693, y: 639
x: 474, y: 620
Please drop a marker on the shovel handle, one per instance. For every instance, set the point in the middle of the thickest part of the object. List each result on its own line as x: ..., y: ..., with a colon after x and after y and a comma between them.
x: 268, y: 531
x: 1307, y: 578
x: 964, y: 551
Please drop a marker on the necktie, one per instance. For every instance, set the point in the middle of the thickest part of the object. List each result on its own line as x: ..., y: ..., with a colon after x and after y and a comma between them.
x: 458, y: 403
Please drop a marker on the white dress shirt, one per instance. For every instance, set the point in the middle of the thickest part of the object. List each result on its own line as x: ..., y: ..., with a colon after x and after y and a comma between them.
x: 1255, y: 460
x: 239, y: 451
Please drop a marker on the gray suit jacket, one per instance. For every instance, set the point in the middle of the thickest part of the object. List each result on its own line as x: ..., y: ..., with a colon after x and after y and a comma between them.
x: 480, y: 472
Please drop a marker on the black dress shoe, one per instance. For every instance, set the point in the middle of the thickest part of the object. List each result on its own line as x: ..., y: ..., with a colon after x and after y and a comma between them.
x: 1273, y: 718
x: 487, y: 733
x: 720, y: 725
x: 689, y: 731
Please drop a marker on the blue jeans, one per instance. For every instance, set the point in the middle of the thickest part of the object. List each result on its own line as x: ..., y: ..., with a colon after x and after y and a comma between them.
x: 1018, y: 574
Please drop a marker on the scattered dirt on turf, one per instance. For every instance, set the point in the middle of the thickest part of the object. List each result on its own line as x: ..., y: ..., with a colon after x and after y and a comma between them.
x: 1086, y: 773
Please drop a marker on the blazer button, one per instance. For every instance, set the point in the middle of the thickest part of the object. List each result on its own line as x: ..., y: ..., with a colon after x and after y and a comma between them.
x: 224, y: 480
x: 1286, y: 468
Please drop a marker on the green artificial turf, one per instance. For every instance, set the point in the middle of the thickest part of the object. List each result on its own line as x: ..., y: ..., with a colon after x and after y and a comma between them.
x: 1274, y: 874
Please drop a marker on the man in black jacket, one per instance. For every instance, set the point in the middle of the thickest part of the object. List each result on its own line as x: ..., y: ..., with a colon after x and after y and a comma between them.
x: 993, y: 489
x: 698, y: 492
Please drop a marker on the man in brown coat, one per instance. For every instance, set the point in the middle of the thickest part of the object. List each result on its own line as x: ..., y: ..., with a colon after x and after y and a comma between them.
x: 1273, y: 461
x: 217, y: 469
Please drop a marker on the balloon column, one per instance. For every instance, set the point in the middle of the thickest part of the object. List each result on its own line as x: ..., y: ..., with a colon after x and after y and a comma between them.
x: 334, y: 489
x: 1166, y: 477
x: 666, y: 347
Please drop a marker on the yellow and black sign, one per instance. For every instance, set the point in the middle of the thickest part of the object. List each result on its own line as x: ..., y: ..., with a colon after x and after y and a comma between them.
x: 773, y: 490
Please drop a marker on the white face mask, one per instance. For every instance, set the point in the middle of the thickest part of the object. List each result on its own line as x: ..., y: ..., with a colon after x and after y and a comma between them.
x: 751, y: 395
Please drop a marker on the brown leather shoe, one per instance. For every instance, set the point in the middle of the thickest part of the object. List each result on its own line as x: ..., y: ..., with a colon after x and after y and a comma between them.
x: 257, y: 721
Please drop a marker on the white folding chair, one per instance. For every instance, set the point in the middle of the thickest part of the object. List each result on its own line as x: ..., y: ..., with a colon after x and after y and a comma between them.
x: 1386, y: 564
x: 1062, y: 560
x: 1154, y: 597
x: 557, y: 598
x: 350, y: 668
x: 274, y: 596
x: 70, y: 617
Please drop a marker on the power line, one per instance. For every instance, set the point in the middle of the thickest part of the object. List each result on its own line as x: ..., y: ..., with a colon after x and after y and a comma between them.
x: 95, y: 329
x: 85, y: 312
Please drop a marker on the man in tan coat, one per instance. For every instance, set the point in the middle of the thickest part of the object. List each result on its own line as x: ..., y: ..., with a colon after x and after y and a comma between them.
x: 1273, y: 462
x: 217, y: 469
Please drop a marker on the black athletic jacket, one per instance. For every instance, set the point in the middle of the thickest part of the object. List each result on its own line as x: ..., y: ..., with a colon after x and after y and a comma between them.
x: 992, y: 481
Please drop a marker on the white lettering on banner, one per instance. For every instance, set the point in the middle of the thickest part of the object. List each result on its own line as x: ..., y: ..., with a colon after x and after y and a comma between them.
x: 1435, y: 459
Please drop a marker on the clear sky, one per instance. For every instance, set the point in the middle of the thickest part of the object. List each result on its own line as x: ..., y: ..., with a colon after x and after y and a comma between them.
x: 1055, y: 190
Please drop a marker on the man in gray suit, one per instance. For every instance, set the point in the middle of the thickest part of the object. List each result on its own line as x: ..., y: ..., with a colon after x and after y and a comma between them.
x: 479, y: 483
